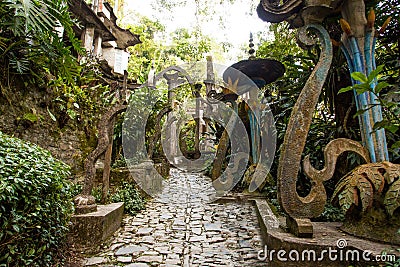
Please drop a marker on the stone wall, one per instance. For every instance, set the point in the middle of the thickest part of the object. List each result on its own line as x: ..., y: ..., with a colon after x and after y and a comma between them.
x: 24, y: 115
x: 65, y: 145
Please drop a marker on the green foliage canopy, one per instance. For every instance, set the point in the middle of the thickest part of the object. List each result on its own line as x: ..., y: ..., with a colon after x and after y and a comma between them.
x: 30, y: 41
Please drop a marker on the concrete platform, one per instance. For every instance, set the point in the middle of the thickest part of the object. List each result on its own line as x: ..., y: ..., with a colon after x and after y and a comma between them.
x: 331, y: 246
x: 90, y: 229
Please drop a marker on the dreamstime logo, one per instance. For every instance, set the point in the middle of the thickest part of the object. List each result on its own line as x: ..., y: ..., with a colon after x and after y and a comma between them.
x: 341, y: 243
x: 340, y: 253
x: 212, y: 104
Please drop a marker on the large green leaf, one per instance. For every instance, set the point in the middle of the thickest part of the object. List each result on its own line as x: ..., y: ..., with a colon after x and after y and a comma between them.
x: 378, y: 88
x: 346, y: 89
x: 359, y: 76
x: 374, y: 74
x: 386, y: 125
x: 33, y: 16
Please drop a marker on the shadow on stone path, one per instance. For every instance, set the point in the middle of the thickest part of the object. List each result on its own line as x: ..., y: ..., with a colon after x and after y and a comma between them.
x: 180, y: 228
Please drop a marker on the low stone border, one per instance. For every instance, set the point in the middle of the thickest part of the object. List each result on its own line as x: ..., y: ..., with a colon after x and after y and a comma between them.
x: 89, y: 230
x: 327, y: 236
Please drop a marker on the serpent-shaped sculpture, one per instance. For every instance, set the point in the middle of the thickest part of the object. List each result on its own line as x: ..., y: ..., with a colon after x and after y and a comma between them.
x: 331, y: 153
x: 313, y: 204
x: 296, y: 12
x: 277, y: 11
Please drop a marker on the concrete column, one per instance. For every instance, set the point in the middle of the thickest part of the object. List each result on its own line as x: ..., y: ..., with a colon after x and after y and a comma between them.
x: 210, y: 85
x: 98, y: 51
x: 95, y: 6
x: 254, y: 116
x: 173, y: 80
x: 88, y: 38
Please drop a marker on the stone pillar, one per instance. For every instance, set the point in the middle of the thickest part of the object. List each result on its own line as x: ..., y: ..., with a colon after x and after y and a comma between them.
x: 254, y: 115
x: 210, y: 84
x: 173, y: 81
x: 95, y: 6
x: 88, y: 37
x: 98, y: 51
x: 173, y: 138
x: 198, y: 127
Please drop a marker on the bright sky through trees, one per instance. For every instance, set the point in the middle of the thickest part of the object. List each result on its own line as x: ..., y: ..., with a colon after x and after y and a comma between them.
x: 221, y: 20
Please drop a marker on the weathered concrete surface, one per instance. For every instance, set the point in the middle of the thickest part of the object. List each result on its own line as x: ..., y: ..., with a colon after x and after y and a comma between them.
x: 147, y: 177
x: 180, y: 228
x: 90, y: 229
x: 327, y: 236
x: 313, y: 204
x: 119, y: 175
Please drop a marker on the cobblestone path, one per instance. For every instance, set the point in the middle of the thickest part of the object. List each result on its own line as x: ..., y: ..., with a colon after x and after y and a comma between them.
x: 180, y: 228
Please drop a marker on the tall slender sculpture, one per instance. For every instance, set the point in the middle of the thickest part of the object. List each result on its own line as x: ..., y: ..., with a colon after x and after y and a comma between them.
x: 358, y: 42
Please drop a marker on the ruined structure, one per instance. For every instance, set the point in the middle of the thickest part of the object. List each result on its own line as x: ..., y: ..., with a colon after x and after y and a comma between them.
x: 101, y: 36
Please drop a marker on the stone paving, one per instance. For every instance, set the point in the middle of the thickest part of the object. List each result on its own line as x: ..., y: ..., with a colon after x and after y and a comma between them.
x: 181, y: 228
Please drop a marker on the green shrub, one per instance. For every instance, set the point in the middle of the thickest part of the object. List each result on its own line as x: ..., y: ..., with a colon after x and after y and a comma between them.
x: 331, y: 214
x: 35, y: 204
x: 97, y: 192
x: 119, y: 163
x: 132, y: 198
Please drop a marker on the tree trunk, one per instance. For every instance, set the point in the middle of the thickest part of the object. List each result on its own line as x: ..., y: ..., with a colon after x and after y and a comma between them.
x: 102, y: 144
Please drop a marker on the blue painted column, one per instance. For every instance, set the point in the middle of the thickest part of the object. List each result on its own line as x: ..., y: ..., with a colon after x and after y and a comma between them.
x: 254, y: 118
x: 360, y: 54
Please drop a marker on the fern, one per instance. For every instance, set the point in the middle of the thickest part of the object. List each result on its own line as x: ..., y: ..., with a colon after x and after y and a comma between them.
x: 358, y: 187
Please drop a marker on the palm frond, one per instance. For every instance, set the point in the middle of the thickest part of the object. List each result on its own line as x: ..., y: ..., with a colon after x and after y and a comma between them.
x: 31, y: 16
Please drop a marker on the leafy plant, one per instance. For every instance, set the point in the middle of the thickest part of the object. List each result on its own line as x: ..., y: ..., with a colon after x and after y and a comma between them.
x: 96, y: 193
x: 82, y: 101
x: 132, y: 198
x: 377, y: 85
x: 35, y: 203
x: 29, y: 39
x: 76, y: 189
x: 395, y: 263
x: 187, y: 135
x: 31, y: 117
x: 360, y: 186
x: 119, y: 163
x: 331, y: 214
